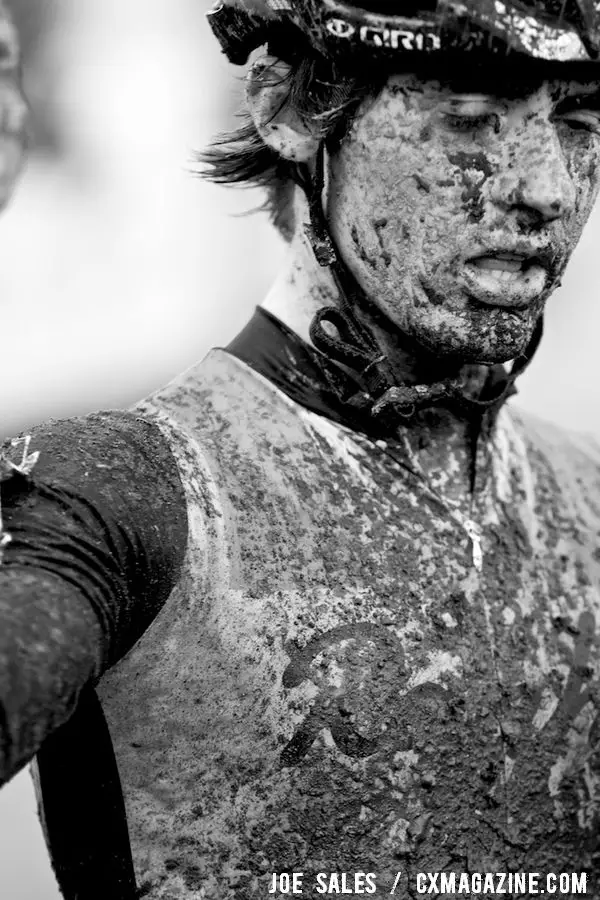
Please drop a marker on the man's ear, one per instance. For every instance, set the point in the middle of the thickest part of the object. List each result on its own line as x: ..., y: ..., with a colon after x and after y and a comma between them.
x: 282, y: 129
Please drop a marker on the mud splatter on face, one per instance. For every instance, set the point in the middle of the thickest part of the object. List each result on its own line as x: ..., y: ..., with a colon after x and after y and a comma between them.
x: 458, y: 213
x: 474, y: 169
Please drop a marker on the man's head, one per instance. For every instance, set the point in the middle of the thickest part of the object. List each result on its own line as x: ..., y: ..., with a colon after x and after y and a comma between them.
x: 455, y: 195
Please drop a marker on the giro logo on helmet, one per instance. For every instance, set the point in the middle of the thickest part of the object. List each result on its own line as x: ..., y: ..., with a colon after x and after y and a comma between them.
x: 390, y: 38
x: 553, y: 30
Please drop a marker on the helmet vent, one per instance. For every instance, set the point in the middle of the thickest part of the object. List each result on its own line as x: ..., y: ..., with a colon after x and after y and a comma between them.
x: 582, y: 15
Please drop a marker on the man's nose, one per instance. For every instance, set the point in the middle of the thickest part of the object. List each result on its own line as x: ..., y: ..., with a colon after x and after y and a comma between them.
x: 536, y: 184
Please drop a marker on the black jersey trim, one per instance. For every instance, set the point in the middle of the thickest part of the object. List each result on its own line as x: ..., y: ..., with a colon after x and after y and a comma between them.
x: 307, y: 376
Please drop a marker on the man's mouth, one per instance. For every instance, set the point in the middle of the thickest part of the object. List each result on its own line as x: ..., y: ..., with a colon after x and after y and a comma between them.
x: 506, y: 279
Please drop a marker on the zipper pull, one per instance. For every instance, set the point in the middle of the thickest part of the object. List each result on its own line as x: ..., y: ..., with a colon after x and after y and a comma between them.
x: 474, y: 534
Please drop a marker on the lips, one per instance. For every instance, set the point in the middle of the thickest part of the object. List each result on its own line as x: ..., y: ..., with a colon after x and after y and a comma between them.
x: 510, y: 279
x: 502, y: 262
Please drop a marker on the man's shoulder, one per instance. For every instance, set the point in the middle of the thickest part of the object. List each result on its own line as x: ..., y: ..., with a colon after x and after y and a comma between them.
x: 117, y: 466
x: 223, y: 400
x: 68, y: 449
x: 571, y: 456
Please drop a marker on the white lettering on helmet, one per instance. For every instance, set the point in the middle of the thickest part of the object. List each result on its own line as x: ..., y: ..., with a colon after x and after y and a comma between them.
x: 340, y: 28
x: 392, y: 38
x: 372, y: 36
x: 389, y: 38
x: 407, y: 40
x: 395, y: 39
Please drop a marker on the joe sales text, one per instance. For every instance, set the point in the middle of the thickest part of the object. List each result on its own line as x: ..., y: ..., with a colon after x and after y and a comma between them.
x: 325, y: 883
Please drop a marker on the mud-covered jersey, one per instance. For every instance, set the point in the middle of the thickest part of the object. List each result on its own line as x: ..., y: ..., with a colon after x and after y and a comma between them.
x: 332, y: 685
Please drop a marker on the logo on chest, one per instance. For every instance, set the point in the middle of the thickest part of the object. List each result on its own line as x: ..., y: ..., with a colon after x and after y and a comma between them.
x: 374, y: 703
x: 367, y: 699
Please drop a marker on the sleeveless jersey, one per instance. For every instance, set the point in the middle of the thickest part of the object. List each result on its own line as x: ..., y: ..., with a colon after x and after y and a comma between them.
x: 332, y: 686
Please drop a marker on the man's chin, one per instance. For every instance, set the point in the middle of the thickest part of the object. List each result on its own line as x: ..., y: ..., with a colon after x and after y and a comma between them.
x: 494, y: 348
x: 492, y: 356
x: 452, y: 324
x: 503, y: 336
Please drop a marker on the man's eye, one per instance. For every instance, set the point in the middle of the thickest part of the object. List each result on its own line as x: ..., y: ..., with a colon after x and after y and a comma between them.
x: 471, y: 112
x: 585, y: 119
x: 456, y: 122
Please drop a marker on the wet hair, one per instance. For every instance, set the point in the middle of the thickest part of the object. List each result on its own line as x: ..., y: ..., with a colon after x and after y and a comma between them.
x: 322, y: 97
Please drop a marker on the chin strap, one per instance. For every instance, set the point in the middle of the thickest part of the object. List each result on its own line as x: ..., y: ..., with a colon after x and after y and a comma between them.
x: 372, y: 386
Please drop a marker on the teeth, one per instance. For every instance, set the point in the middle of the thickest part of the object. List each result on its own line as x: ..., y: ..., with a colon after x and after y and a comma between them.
x: 499, y: 263
x: 505, y: 274
x: 493, y: 286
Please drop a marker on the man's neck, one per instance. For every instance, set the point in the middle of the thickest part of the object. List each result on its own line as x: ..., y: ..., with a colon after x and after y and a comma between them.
x: 442, y: 442
x: 304, y: 287
x: 301, y: 289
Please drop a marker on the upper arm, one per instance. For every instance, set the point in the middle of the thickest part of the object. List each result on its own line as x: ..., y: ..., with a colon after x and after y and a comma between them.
x: 96, y: 537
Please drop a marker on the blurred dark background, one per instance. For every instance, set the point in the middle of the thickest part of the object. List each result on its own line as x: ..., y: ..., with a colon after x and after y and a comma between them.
x: 34, y: 19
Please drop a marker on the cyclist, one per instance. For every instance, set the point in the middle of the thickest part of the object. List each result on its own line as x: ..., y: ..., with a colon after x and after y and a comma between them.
x: 326, y: 603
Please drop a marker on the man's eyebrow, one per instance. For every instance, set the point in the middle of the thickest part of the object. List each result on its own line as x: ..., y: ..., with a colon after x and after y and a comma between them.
x: 515, y: 78
x: 577, y: 92
x: 497, y: 81
x: 590, y: 89
x: 586, y: 92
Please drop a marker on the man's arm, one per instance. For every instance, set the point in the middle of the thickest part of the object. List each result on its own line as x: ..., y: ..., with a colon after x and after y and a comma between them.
x: 91, y: 538
x: 96, y: 536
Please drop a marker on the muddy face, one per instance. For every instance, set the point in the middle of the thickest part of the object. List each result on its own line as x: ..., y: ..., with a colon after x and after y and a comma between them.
x: 458, y: 212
